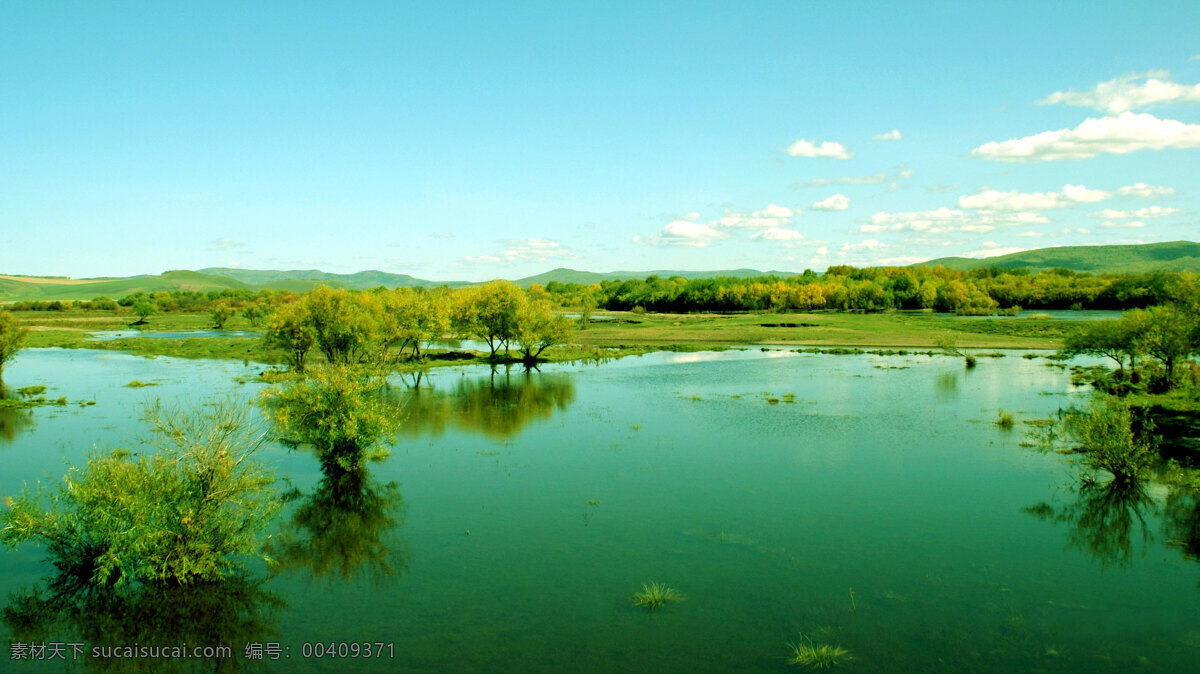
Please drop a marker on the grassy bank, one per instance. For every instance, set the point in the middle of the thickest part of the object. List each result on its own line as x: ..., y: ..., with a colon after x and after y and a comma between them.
x: 627, y: 333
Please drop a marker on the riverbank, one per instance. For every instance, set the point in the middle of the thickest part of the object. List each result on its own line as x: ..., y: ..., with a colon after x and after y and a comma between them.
x: 608, y: 335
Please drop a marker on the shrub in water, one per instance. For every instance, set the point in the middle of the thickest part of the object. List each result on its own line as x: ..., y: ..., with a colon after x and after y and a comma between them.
x: 184, y: 513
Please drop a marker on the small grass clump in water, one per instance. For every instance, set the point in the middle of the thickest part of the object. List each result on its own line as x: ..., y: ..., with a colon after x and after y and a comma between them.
x: 816, y: 656
x: 655, y: 596
x: 1005, y: 420
x: 140, y: 384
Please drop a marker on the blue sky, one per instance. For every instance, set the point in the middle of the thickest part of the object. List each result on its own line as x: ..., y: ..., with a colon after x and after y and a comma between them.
x: 483, y: 140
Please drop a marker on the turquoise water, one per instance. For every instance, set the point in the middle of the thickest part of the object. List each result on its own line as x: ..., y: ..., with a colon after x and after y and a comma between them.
x: 875, y: 506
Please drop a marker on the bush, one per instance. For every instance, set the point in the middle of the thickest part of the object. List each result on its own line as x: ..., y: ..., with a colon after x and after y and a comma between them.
x: 339, y: 412
x: 1105, y: 434
x: 182, y: 514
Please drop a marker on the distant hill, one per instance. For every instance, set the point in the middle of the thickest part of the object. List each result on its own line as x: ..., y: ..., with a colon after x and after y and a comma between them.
x: 13, y: 288
x: 564, y: 275
x: 305, y: 279
x: 1146, y: 257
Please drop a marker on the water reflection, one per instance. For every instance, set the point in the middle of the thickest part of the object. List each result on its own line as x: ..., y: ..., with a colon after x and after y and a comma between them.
x: 498, y: 406
x: 13, y: 420
x: 229, y: 613
x: 1105, y: 520
x: 346, y: 529
x: 1181, y: 522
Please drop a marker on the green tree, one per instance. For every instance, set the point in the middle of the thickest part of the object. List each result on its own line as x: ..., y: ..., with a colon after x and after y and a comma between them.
x: 1168, y: 336
x: 1110, y: 339
x: 185, y: 511
x: 142, y: 309
x: 340, y: 412
x: 256, y: 313
x: 221, y: 311
x: 489, y: 313
x: 288, y: 328
x: 343, y: 324
x: 12, y: 338
x: 537, y: 328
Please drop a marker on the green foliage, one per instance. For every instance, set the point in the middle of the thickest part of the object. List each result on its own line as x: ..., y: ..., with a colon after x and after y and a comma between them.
x: 1005, y: 420
x: 256, y: 313
x: 537, y: 328
x: 184, y: 513
x: 12, y: 338
x: 816, y: 656
x: 339, y: 411
x: 143, y: 309
x: 655, y: 596
x: 489, y: 313
x: 288, y: 329
x: 1104, y: 432
x: 221, y: 311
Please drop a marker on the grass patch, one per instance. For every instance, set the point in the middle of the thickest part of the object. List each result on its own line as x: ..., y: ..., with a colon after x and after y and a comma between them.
x: 140, y: 384
x: 816, y: 656
x: 655, y: 596
x: 1005, y: 420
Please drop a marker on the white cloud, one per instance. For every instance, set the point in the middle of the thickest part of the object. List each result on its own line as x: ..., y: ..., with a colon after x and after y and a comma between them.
x: 1148, y: 212
x: 1081, y: 194
x: 827, y: 149
x: 874, y: 179
x: 900, y: 260
x: 992, y: 249
x: 1135, y: 224
x: 218, y: 245
x: 524, y: 250
x: 766, y: 218
x: 682, y: 233
x: 789, y: 236
x: 944, y: 220
x: 894, y: 134
x: 1129, y: 92
x: 995, y: 200
x: 835, y: 202
x: 1144, y: 191
x: 1127, y: 132
x: 868, y: 244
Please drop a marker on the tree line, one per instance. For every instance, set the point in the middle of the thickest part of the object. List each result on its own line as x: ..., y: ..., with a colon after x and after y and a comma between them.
x: 981, y: 291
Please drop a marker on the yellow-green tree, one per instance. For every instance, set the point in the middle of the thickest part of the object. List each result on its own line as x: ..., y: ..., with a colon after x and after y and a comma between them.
x: 12, y: 338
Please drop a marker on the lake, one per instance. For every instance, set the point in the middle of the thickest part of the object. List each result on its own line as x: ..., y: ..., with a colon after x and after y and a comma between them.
x: 864, y: 501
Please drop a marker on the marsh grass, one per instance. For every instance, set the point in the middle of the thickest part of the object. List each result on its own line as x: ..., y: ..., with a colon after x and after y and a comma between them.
x: 655, y: 596
x: 1005, y: 420
x: 816, y: 656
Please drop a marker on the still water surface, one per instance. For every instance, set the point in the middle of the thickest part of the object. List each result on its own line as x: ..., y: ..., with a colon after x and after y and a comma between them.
x: 873, y: 505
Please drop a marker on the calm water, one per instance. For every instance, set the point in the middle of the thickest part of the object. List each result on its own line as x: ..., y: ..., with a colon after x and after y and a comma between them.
x: 874, y: 506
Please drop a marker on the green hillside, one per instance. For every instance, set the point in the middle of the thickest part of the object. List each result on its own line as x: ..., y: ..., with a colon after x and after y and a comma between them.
x: 304, y: 279
x: 564, y: 275
x: 1147, y: 257
x: 13, y: 288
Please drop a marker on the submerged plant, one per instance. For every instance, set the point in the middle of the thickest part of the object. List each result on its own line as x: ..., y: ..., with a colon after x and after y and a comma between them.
x: 655, y: 596
x: 816, y: 656
x: 189, y: 512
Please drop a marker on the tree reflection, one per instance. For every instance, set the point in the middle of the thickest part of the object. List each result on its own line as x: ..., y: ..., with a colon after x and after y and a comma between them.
x: 1181, y: 521
x: 230, y: 612
x: 13, y: 419
x: 499, y: 406
x: 346, y: 529
x: 1105, y: 520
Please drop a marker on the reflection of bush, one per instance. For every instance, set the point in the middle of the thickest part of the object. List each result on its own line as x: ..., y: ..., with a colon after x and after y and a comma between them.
x: 344, y: 529
x: 499, y: 407
x: 1104, y: 520
x: 229, y: 612
x: 1181, y: 521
